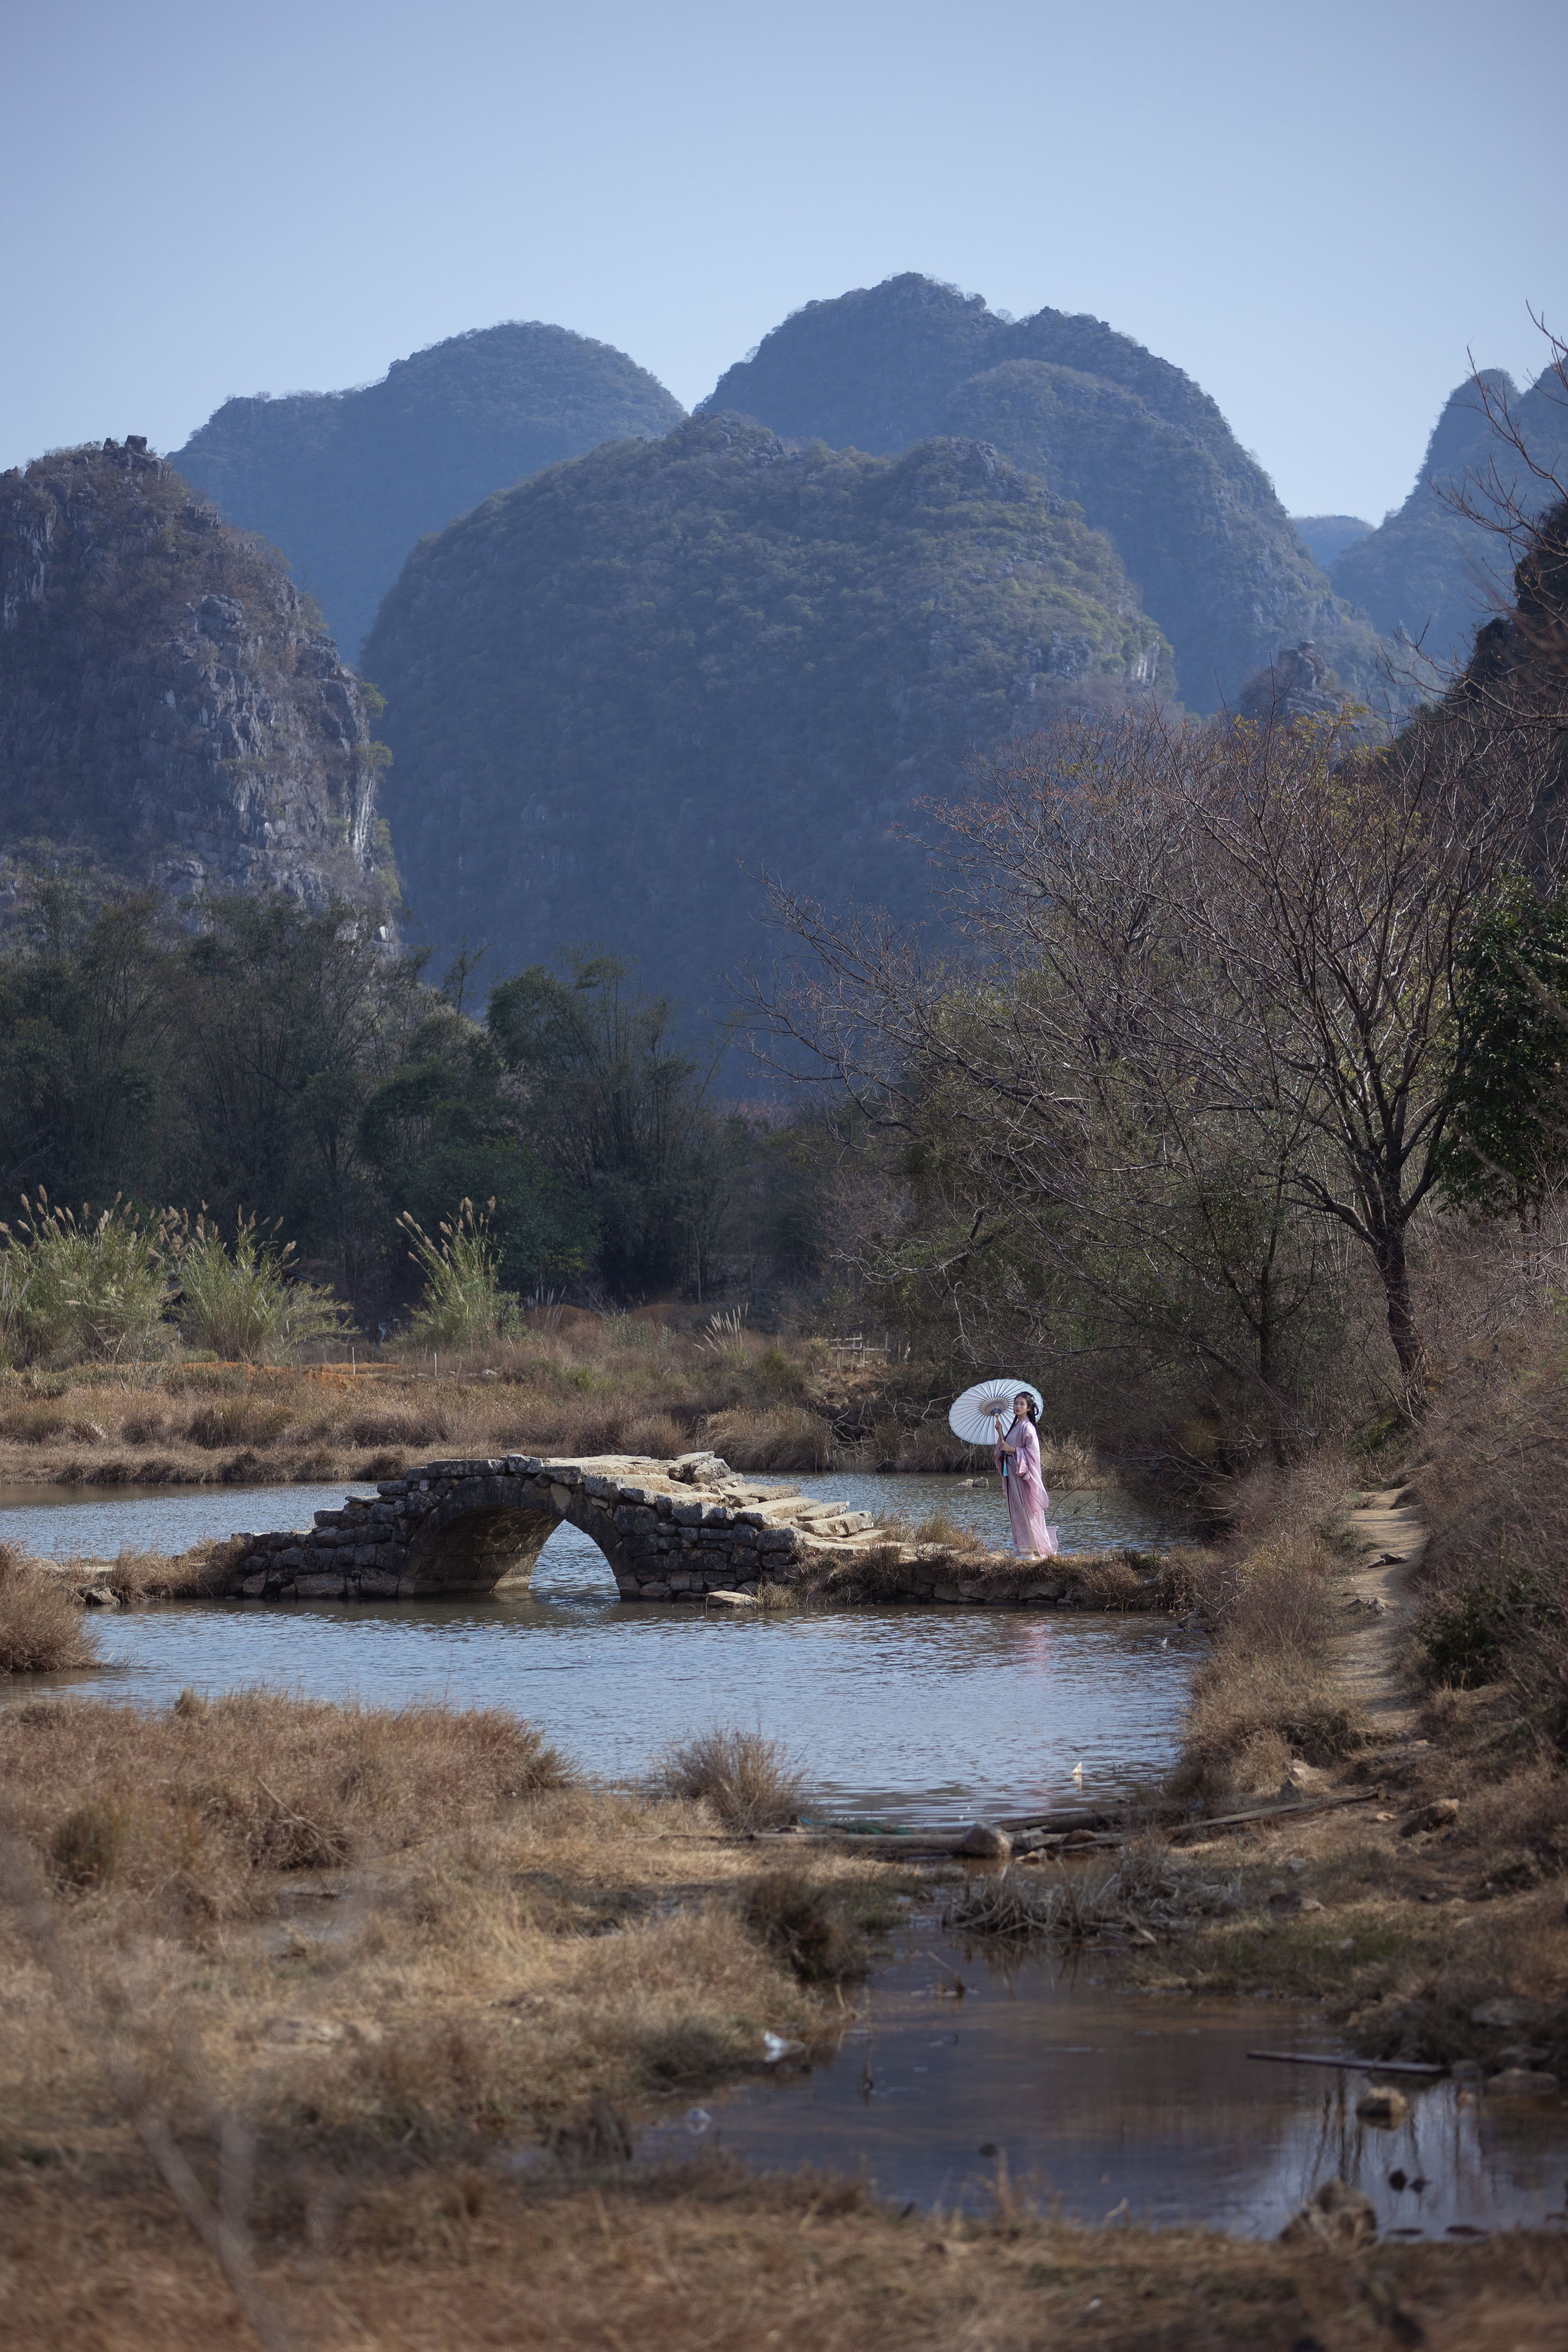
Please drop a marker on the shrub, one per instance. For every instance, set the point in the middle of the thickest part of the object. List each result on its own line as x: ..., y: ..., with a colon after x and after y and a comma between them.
x: 790, y: 1916
x: 463, y: 1301
x: 749, y: 1782
x: 42, y: 1629
x: 85, y: 1845
x: 250, y: 1307
x: 238, y: 1420
x: 72, y: 1288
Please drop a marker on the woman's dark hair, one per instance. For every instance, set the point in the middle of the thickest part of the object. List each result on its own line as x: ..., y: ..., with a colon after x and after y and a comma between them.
x: 1029, y: 1408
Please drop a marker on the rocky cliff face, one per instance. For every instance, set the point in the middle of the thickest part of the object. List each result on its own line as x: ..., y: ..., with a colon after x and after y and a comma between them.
x: 1102, y: 422
x: 170, y: 708
x: 1427, y: 572
x: 345, y: 482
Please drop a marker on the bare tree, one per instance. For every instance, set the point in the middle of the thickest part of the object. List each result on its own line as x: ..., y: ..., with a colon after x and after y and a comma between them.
x: 1203, y: 980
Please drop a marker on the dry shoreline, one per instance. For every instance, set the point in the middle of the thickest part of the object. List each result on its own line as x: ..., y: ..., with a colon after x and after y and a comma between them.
x: 502, y: 1964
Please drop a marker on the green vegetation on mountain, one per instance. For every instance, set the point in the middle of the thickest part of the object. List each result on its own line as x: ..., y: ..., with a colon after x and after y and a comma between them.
x: 171, y: 710
x: 1131, y: 438
x: 1427, y: 570
x: 345, y: 482
x: 1326, y: 537
x: 616, y: 692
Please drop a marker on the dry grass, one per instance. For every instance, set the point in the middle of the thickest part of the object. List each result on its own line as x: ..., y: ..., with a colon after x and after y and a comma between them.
x: 42, y: 1629
x: 703, y: 2254
x: 748, y: 1782
x: 1266, y: 1692
x: 586, y: 1384
x: 1147, y: 1895
x: 506, y: 1963
x: 353, y: 1924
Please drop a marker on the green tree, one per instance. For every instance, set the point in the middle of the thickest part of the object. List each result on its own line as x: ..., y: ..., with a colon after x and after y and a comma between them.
x: 1508, y: 1137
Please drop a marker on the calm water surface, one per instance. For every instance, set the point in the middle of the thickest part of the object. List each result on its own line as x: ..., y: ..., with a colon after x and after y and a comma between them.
x: 1103, y: 2102
x: 1112, y: 2104
x: 930, y: 1713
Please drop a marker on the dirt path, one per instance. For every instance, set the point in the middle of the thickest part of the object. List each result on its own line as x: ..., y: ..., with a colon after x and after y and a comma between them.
x: 1390, y: 1535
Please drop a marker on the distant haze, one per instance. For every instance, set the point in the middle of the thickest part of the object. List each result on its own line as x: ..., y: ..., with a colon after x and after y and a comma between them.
x: 1300, y: 210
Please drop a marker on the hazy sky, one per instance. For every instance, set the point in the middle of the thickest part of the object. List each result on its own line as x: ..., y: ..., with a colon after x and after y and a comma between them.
x: 1313, y: 210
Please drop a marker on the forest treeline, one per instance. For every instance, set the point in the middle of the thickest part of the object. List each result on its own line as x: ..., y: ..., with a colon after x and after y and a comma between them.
x: 1232, y: 1098
x: 283, y: 1064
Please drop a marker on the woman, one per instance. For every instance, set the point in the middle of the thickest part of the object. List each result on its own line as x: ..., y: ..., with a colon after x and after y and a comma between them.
x: 1018, y: 1460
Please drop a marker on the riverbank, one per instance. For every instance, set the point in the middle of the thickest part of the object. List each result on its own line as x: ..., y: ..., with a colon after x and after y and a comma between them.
x: 402, y: 1993
x: 600, y: 1384
x: 1430, y: 1921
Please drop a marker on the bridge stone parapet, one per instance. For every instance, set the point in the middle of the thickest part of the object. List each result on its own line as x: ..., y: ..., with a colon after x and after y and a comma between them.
x: 671, y: 1531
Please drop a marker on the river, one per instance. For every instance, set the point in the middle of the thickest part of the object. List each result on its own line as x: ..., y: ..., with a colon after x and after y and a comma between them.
x: 901, y: 1714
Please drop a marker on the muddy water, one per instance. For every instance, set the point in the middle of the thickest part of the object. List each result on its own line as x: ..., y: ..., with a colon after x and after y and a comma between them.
x: 1134, y: 2107
x: 913, y: 1714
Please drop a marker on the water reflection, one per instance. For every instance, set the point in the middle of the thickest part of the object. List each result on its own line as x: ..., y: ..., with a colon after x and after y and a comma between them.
x: 1116, y: 2106
x: 913, y: 1714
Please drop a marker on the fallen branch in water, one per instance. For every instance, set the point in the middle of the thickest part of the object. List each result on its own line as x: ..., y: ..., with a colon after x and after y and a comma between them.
x: 1351, y: 2065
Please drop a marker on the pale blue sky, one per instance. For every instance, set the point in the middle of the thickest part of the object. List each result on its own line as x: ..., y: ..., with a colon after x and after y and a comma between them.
x: 1313, y: 210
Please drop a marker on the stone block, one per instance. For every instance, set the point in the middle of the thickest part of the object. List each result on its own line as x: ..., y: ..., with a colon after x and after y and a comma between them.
x: 319, y: 1587
x: 254, y: 1587
x: 777, y: 1539
x: 378, y: 1583
x: 562, y: 1497
x: 655, y: 1593
x: 293, y: 1558
x: 688, y: 1515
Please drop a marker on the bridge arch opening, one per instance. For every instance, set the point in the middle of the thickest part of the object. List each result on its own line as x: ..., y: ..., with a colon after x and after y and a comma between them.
x: 496, y: 1548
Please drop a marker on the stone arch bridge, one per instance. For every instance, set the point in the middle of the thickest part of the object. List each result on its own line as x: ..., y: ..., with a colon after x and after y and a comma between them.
x: 671, y: 1531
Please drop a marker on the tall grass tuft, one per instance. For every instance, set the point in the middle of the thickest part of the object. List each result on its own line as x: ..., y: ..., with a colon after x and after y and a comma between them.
x: 42, y: 1629
x: 463, y: 1302
x: 250, y: 1307
x: 76, y: 1289
x: 748, y: 1781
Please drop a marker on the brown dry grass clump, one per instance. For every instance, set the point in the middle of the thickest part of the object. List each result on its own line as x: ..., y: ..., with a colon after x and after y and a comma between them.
x: 747, y: 1781
x: 210, y: 1797
x: 42, y: 1628
x: 1266, y: 1692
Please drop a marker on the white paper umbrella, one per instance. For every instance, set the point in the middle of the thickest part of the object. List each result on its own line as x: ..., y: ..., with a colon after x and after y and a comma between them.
x: 971, y: 1416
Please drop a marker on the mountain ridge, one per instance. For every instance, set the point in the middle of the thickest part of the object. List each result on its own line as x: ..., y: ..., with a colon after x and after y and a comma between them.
x: 345, y: 483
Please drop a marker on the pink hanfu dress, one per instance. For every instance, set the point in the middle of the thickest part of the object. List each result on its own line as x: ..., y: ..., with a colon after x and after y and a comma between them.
x: 1018, y: 1459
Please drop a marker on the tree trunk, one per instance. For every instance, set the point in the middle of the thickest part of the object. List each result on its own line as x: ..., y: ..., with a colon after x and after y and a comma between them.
x: 1403, y: 1330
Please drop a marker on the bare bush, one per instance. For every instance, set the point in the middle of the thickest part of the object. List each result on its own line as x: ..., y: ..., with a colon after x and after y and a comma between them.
x: 42, y: 1628
x: 792, y: 1915
x: 750, y: 1783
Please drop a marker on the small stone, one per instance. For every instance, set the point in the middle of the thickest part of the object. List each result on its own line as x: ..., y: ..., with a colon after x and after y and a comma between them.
x: 733, y: 1600
x: 985, y: 1841
x: 1521, y: 2082
x: 1382, y: 2105
x: 98, y: 1596
x: 305, y: 2029
x: 1334, y: 2215
x: 1438, y: 1815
